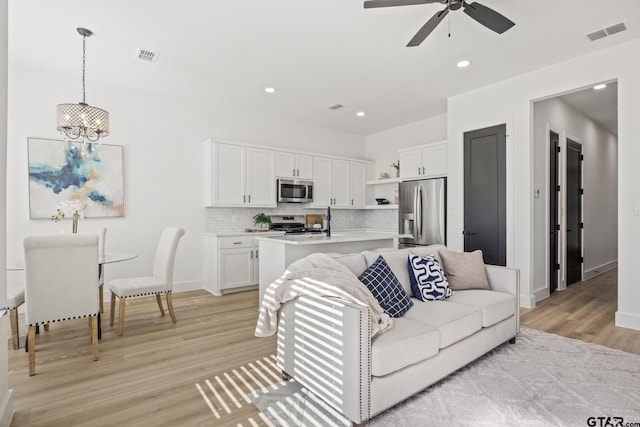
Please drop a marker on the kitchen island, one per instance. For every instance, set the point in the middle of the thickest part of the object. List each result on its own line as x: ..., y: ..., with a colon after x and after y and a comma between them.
x: 277, y: 252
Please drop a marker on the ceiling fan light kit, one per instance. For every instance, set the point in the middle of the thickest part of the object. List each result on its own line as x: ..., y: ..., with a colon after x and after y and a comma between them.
x: 479, y: 12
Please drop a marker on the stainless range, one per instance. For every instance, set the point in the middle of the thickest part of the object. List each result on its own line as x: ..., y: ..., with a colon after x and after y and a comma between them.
x: 291, y: 224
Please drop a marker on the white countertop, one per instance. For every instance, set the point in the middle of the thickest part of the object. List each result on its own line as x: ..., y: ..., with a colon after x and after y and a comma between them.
x: 336, y: 237
x: 245, y: 233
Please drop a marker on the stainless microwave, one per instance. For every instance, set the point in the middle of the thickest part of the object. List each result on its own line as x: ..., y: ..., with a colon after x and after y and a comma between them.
x: 295, y: 191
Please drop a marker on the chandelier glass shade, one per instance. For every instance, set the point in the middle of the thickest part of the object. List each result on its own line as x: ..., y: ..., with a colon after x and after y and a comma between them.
x: 82, y: 121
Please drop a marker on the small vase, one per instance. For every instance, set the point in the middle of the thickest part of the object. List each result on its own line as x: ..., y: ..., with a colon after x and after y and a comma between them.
x: 397, y: 173
x: 74, y: 225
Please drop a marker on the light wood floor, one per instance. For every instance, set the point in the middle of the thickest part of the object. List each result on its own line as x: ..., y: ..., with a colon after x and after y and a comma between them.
x: 584, y: 311
x: 159, y: 373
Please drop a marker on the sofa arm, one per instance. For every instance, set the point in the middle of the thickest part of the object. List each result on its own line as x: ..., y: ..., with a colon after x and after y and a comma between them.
x: 325, y: 344
x: 507, y: 280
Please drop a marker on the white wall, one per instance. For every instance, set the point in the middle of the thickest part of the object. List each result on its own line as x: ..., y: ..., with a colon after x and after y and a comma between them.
x: 163, y: 175
x: 382, y: 147
x: 510, y: 102
x: 6, y: 402
x: 600, y: 183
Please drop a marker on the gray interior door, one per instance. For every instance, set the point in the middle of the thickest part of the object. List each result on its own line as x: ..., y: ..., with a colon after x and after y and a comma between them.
x: 574, y: 212
x: 485, y: 219
x: 554, y: 220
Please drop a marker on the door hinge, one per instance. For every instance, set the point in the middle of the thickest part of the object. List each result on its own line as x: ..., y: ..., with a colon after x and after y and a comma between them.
x: 581, y: 259
x: 581, y: 191
x: 557, y: 266
x: 557, y: 227
x: 558, y: 188
x: 581, y: 157
x: 582, y: 225
x: 558, y: 149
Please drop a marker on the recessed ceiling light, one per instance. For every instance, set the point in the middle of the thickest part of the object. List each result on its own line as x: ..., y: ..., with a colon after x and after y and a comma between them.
x: 270, y: 89
x: 600, y: 86
x: 360, y: 114
x: 463, y: 64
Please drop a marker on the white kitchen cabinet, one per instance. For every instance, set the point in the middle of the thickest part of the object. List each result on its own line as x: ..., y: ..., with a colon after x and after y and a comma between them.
x: 358, y: 179
x: 239, y: 176
x: 231, y: 262
x: 338, y: 183
x: 292, y: 165
x: 426, y: 161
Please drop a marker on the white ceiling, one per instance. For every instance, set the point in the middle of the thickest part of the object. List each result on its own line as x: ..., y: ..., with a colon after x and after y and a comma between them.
x: 599, y: 105
x: 316, y: 53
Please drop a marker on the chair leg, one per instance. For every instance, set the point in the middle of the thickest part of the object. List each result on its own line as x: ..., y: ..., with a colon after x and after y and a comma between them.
x: 94, y: 336
x: 15, y: 333
x: 31, y: 340
x: 113, y: 308
x: 121, y: 316
x: 46, y: 327
x: 159, y: 300
x: 101, y: 296
x: 170, y: 306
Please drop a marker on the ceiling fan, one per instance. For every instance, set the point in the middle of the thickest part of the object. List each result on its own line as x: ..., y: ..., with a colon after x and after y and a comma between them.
x: 481, y: 13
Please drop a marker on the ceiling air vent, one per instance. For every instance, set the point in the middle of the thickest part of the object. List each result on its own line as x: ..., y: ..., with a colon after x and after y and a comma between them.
x: 615, y: 28
x: 147, y: 55
x: 336, y: 107
x: 607, y: 31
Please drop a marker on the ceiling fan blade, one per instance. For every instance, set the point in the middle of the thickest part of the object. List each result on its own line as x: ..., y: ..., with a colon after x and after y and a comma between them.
x: 488, y: 17
x: 389, y: 3
x: 428, y: 28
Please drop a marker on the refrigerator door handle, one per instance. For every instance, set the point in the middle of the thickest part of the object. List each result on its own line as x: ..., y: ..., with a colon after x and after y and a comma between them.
x: 419, y: 211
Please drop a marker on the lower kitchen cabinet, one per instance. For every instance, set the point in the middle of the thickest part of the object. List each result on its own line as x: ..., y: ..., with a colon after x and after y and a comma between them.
x: 231, y: 263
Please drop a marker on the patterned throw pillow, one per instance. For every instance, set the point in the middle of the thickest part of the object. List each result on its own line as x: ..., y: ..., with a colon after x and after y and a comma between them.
x: 386, y: 288
x: 428, y: 281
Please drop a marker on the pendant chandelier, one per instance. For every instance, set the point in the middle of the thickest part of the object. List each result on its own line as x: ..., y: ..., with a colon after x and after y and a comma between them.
x: 82, y: 121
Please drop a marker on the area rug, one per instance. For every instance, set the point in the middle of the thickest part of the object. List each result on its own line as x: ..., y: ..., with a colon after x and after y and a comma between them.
x: 541, y: 380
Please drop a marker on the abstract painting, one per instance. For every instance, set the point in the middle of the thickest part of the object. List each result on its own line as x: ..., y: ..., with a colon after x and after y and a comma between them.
x: 59, y: 171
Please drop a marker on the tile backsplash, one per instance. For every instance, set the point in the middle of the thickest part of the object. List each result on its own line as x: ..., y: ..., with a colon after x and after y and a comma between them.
x: 223, y: 219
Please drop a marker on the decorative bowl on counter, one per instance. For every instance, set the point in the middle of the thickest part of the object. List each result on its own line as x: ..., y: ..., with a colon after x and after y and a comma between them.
x: 383, y: 201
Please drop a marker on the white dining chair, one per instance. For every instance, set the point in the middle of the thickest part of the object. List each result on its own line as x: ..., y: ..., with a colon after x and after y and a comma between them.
x: 161, y: 282
x: 61, y: 277
x: 15, y: 298
x: 102, y: 235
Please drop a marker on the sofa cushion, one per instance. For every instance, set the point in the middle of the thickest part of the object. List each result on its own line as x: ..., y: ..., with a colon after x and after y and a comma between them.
x: 428, y: 250
x: 397, y: 261
x: 408, y: 342
x: 464, y: 270
x: 354, y: 262
x: 454, y: 321
x: 495, y: 306
x: 384, y: 286
x: 428, y: 281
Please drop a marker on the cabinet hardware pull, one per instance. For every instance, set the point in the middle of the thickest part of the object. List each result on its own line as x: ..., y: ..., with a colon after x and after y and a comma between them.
x: 244, y: 198
x: 256, y: 253
x: 249, y: 198
x: 237, y: 243
x: 294, y: 172
x: 423, y: 170
x: 251, y: 253
x: 418, y: 170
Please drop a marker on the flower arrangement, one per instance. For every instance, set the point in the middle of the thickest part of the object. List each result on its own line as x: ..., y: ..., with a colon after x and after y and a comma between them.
x: 74, y: 208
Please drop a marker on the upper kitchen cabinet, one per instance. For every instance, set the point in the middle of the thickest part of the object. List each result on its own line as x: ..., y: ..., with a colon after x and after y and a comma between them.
x: 292, y: 165
x: 338, y: 183
x: 426, y: 161
x: 239, y: 176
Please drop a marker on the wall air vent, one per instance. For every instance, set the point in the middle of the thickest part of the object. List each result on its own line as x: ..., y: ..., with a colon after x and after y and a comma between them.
x: 596, y: 35
x: 336, y: 107
x: 147, y: 55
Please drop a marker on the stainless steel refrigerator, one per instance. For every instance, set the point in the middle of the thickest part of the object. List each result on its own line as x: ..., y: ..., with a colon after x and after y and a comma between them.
x: 423, y: 212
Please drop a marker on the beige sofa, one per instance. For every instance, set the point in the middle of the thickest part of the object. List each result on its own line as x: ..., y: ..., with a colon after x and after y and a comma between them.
x: 325, y: 344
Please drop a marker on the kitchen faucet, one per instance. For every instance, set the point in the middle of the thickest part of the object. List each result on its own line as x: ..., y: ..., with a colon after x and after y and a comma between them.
x: 328, y: 229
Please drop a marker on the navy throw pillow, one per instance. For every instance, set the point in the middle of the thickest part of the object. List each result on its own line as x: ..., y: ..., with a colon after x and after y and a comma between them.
x: 428, y: 281
x: 386, y: 288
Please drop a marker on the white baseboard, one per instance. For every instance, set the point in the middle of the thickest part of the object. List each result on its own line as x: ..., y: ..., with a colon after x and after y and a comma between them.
x: 595, y: 271
x: 6, y: 409
x: 527, y: 301
x: 628, y: 320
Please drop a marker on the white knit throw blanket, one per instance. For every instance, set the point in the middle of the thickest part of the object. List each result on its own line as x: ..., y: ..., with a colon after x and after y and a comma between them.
x: 319, y: 275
